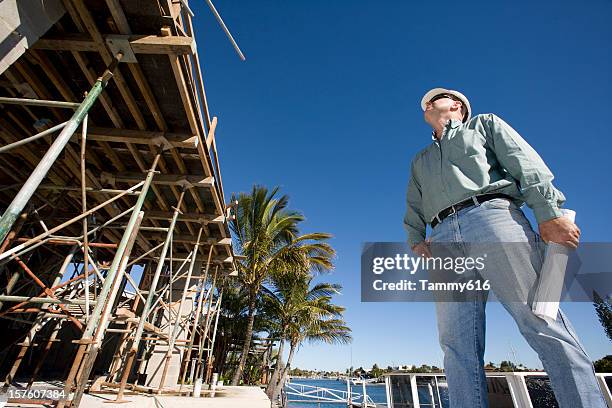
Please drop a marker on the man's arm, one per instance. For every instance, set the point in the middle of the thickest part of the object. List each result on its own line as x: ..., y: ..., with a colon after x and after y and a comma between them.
x: 414, y: 221
x: 527, y: 167
x: 523, y: 163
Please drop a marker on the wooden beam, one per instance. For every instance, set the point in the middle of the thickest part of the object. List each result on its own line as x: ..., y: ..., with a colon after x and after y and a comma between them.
x: 211, y: 133
x: 189, y: 239
x: 164, y: 139
x: 153, y: 44
x: 186, y: 180
x: 141, y: 44
x: 187, y: 217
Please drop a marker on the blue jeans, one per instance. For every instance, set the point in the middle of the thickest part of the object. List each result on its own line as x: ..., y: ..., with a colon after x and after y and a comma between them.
x: 461, y: 325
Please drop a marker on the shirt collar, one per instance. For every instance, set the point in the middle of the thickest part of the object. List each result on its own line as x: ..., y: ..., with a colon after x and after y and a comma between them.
x: 452, y: 123
x: 455, y: 123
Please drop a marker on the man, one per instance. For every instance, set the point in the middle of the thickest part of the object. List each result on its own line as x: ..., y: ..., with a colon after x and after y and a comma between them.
x: 468, y: 185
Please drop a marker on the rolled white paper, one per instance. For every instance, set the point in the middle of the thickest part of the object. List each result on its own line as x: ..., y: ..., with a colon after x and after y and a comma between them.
x: 550, y: 284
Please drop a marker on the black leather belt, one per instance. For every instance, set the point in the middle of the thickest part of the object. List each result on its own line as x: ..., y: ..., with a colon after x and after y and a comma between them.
x: 475, y: 200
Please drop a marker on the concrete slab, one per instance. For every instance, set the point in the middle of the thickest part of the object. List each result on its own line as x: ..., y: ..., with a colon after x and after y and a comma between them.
x: 226, y: 397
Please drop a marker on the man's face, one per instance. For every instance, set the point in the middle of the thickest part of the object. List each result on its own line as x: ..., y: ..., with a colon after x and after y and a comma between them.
x: 436, y: 108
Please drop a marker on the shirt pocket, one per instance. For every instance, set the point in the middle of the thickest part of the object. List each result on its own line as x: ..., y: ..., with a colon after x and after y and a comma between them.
x: 467, y: 148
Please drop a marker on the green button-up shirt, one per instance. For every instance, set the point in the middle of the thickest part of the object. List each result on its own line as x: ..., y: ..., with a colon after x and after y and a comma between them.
x: 484, y: 155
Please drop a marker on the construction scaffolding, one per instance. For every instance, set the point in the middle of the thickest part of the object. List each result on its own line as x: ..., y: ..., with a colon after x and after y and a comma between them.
x: 114, y: 236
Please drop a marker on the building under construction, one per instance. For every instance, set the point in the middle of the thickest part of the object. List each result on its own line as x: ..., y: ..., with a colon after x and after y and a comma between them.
x: 114, y: 234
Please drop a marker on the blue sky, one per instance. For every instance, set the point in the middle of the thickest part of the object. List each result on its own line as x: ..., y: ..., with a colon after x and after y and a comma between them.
x: 327, y: 107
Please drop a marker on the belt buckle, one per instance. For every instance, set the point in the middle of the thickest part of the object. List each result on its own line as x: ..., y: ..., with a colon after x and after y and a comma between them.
x: 452, y: 207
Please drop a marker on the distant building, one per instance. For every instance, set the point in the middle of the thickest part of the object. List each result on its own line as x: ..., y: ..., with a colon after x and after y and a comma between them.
x: 407, y: 367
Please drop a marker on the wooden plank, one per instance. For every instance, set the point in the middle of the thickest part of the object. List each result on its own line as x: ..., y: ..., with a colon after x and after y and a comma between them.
x: 209, y: 123
x: 211, y: 133
x: 79, y: 43
x: 141, y: 44
x: 152, y: 44
x: 186, y: 180
x: 185, y: 95
x: 189, y: 239
x: 143, y: 137
x: 119, y: 18
x: 186, y: 99
x: 186, y: 217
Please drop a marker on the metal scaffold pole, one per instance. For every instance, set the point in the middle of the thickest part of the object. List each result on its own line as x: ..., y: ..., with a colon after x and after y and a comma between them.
x: 39, y: 173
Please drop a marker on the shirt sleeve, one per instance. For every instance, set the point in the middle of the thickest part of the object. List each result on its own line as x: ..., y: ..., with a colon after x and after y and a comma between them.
x: 414, y: 221
x: 524, y: 164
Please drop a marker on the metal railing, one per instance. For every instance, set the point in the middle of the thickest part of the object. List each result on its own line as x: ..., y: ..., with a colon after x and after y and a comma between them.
x: 304, y: 393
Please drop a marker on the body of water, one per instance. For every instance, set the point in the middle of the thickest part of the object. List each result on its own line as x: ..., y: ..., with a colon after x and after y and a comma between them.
x: 375, y: 391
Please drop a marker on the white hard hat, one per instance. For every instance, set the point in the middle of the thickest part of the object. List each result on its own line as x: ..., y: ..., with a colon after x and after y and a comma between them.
x: 437, y: 91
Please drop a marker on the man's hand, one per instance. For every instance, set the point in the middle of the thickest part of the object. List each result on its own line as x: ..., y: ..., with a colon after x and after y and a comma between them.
x: 422, y: 249
x: 560, y: 230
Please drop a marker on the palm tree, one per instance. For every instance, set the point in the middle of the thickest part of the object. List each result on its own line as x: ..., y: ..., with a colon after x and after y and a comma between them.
x: 267, y: 239
x: 302, y: 312
x: 315, y: 329
x: 280, y: 305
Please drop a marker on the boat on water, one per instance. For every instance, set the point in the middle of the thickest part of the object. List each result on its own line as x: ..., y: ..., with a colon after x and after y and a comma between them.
x: 359, y: 381
x: 506, y: 390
